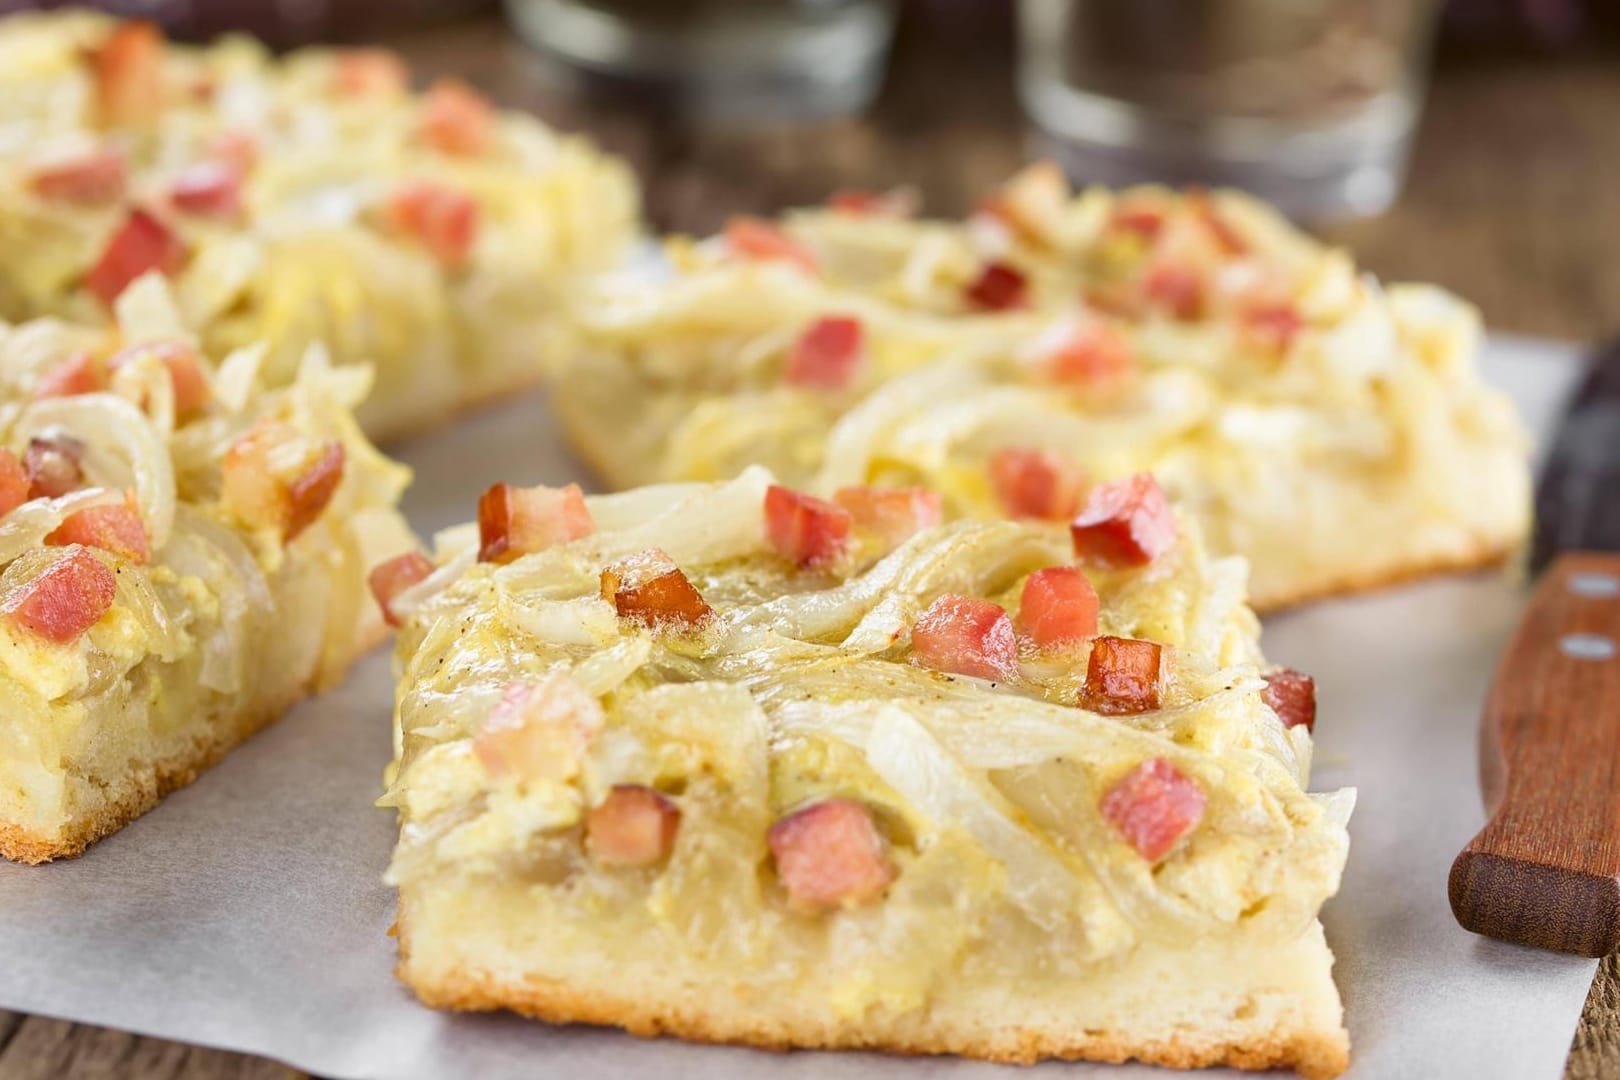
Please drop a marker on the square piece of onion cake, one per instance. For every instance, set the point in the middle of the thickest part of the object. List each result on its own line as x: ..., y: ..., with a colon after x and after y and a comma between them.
x: 736, y: 764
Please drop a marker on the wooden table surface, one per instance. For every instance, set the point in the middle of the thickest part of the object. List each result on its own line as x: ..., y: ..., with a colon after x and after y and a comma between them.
x: 1512, y: 202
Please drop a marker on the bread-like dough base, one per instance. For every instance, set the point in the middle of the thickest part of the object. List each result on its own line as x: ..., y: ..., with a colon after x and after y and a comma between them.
x: 166, y: 766
x: 1239, y: 1000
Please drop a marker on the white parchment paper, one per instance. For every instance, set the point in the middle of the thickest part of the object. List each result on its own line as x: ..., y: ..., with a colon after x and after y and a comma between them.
x: 247, y: 911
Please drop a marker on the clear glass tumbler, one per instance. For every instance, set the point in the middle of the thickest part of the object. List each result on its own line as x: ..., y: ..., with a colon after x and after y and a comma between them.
x: 1308, y: 103
x: 724, y: 59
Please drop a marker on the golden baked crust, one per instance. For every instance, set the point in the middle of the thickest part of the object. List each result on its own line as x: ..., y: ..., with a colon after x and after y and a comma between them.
x: 711, y: 1013
x: 802, y: 685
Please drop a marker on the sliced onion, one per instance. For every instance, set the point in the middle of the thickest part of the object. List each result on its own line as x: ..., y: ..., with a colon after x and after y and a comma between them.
x: 413, y: 599
x: 146, y: 312
x: 237, y: 376
x: 585, y: 621
x: 912, y: 762
x: 123, y: 447
x: 204, y: 548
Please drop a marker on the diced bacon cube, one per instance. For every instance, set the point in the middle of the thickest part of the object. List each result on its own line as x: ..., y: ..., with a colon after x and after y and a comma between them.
x: 854, y: 201
x: 1059, y: 607
x: 893, y: 515
x: 96, y: 177
x: 999, y: 287
x: 1035, y: 483
x: 899, y: 203
x: 117, y: 529
x: 754, y: 238
x: 79, y: 373
x: 191, y: 389
x: 1123, y: 675
x: 238, y: 148
x: 1153, y: 806
x: 275, y: 478
x: 127, y: 69
x: 456, y: 119
x: 1031, y: 203
x: 208, y: 189
x: 1175, y: 289
x: 441, y: 219
x: 830, y: 855
x: 803, y: 529
x: 540, y: 729
x: 393, y: 576
x: 55, y: 465
x: 1292, y: 696
x: 1273, y: 327
x: 634, y: 826
x: 14, y: 482
x: 966, y: 636
x: 1092, y: 355
x: 1144, y: 221
x: 141, y: 244
x: 66, y: 598
x: 649, y: 588
x: 828, y: 354
x: 1226, y: 238
x: 1125, y: 522
x: 517, y: 521
x: 369, y: 73
x: 203, y: 87
x: 1121, y: 299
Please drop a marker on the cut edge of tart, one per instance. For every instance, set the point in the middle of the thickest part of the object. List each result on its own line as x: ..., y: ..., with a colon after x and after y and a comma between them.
x: 735, y: 764
x: 182, y: 558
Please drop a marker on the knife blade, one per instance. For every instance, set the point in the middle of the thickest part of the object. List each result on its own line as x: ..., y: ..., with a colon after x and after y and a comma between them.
x: 1545, y: 869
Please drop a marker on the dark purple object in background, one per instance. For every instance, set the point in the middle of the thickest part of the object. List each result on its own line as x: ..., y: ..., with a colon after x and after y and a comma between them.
x: 279, y: 22
x: 1518, y: 24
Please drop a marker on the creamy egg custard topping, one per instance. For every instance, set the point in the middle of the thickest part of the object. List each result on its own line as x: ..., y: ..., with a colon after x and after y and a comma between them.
x: 737, y: 763
x: 312, y: 198
x: 182, y: 556
x: 1333, y: 430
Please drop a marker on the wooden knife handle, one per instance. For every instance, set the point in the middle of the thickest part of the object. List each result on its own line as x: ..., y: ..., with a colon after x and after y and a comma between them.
x: 1545, y: 870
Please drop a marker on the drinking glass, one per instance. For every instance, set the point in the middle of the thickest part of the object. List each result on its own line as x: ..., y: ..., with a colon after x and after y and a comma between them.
x: 1308, y: 103
x: 722, y: 58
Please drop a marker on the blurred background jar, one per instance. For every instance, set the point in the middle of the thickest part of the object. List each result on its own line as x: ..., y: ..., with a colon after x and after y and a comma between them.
x: 721, y: 59
x: 1308, y: 103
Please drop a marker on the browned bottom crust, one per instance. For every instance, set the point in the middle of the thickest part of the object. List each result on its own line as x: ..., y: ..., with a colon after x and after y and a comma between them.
x: 146, y: 786
x: 1311, y: 1057
x: 703, y: 1015
x: 1485, y: 555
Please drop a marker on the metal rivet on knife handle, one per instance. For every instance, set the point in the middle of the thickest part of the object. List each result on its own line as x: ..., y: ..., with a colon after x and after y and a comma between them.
x: 1595, y: 586
x: 1545, y: 870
